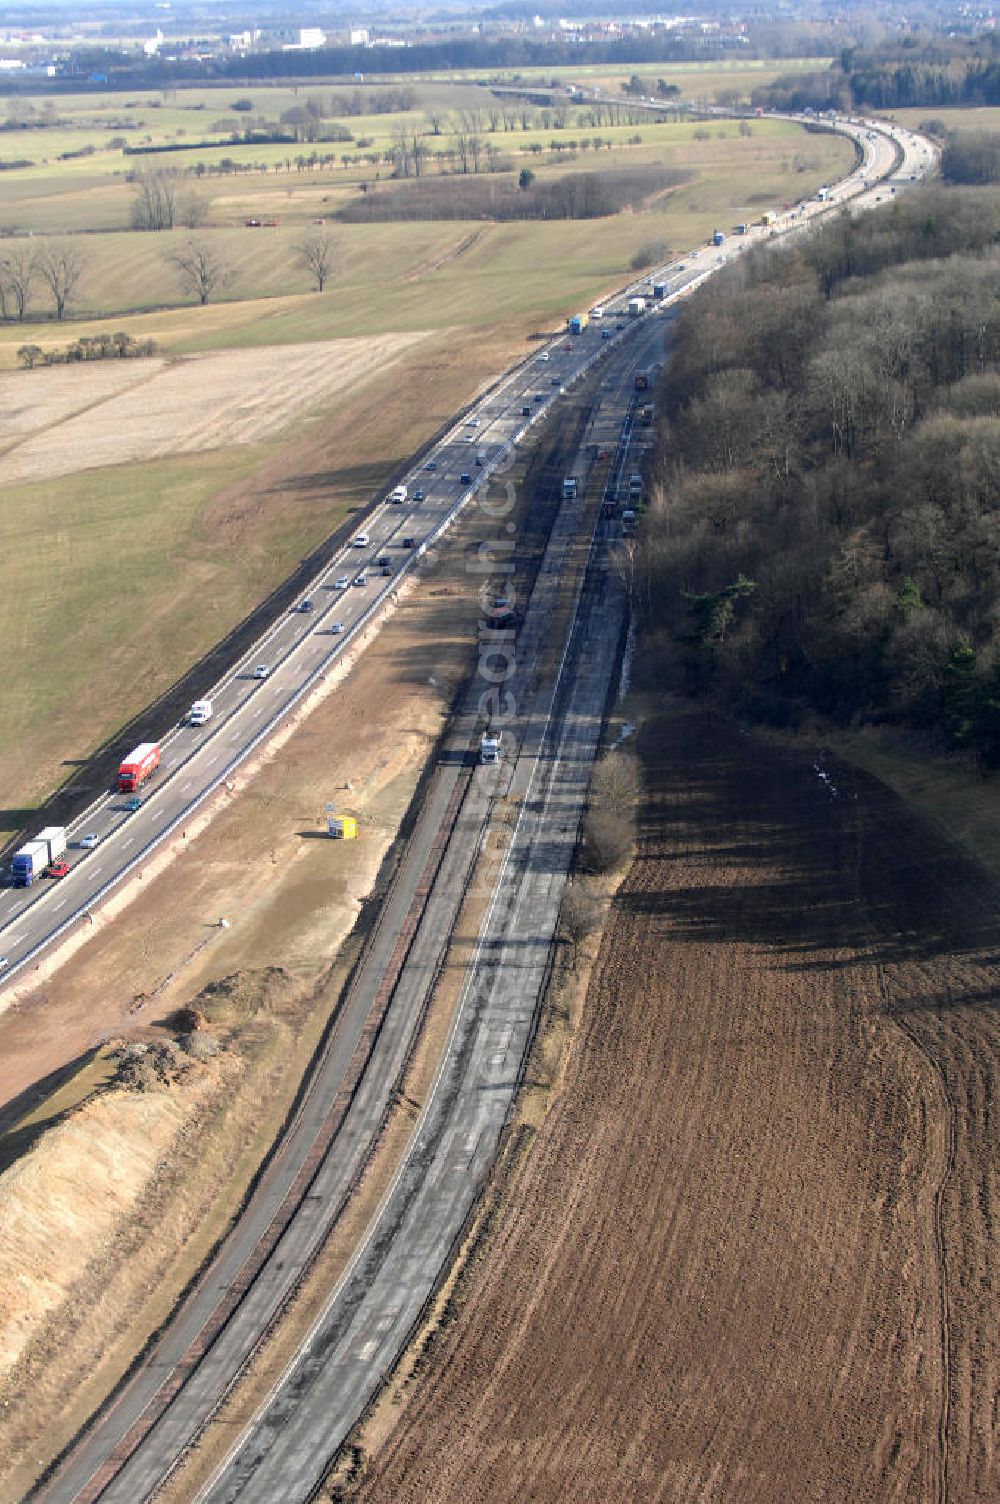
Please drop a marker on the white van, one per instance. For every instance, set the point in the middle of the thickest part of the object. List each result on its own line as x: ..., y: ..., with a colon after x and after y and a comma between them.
x: 200, y: 712
x: 398, y: 496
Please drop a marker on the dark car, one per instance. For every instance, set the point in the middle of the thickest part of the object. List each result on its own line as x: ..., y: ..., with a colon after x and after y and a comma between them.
x: 409, y: 542
x: 306, y: 605
x: 464, y: 478
x: 419, y: 494
x: 431, y: 465
x: 383, y: 560
x: 526, y: 410
x: 132, y: 804
x: 539, y: 396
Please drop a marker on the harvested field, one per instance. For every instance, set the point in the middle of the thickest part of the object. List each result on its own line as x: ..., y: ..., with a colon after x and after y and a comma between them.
x: 110, y: 413
x: 751, y: 1254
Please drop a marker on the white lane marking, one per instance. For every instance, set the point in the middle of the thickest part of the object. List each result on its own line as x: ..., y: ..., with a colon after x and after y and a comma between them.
x: 126, y: 844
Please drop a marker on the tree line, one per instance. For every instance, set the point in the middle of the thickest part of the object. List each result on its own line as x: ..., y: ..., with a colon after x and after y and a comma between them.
x: 574, y: 195
x: 970, y: 156
x: 823, y: 534
x: 929, y: 72
x: 201, y: 265
x: 489, y: 54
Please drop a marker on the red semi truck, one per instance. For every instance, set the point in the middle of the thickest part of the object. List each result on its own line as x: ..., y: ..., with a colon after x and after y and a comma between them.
x: 137, y: 766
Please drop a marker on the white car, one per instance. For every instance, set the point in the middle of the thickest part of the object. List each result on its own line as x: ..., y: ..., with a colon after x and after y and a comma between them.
x: 342, y: 583
x: 89, y: 842
x: 361, y: 540
x: 361, y: 579
x: 544, y: 355
x: 4, y: 963
x: 261, y: 671
x: 336, y: 628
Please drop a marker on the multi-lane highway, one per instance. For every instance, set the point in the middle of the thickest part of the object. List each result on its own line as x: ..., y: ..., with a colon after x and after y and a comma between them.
x: 367, y: 1318
x: 295, y: 653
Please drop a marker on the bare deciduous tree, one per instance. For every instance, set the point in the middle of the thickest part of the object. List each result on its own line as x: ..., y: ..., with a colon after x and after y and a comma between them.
x: 315, y: 251
x: 61, y: 264
x: 17, y: 272
x: 191, y: 212
x: 153, y: 204
x: 202, y: 268
x: 579, y: 915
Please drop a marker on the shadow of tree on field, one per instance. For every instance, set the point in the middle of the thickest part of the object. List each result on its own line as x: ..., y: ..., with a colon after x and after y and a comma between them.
x: 822, y: 881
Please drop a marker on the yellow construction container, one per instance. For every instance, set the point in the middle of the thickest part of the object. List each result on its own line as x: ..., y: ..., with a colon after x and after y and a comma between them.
x: 343, y: 827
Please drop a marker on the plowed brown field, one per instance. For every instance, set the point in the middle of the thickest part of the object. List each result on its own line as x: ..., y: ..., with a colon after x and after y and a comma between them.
x: 752, y: 1254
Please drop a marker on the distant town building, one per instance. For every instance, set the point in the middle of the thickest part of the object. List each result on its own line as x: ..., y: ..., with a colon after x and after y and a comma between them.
x: 359, y: 36
x: 291, y: 38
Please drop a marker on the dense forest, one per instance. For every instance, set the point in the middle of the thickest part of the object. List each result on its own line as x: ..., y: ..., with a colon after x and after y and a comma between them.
x: 935, y: 73
x: 823, y: 533
x: 970, y: 156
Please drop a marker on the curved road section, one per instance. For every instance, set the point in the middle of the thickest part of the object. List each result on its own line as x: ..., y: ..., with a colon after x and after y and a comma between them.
x: 369, y: 1315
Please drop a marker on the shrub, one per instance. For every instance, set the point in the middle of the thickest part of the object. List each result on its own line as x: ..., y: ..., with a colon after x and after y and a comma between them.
x: 650, y: 253
x: 607, y: 840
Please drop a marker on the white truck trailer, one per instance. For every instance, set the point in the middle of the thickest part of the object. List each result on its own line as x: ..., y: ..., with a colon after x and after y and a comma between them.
x: 491, y: 747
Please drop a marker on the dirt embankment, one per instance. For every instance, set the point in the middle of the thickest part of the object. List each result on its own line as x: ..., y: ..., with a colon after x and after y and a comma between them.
x: 751, y: 1255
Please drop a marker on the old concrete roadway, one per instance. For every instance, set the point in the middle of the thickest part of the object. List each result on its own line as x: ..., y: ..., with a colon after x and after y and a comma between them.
x: 204, y: 1349
x: 376, y: 1303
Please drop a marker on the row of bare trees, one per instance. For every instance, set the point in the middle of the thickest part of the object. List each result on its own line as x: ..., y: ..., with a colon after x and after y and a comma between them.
x: 56, y: 265
x: 203, y: 268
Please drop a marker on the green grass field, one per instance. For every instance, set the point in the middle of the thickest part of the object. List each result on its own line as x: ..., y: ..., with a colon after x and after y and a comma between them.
x: 406, y: 275
x: 985, y: 119
x: 35, y: 197
x: 142, y: 569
